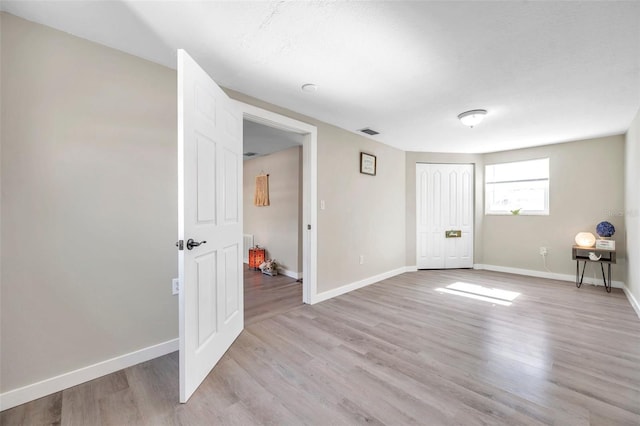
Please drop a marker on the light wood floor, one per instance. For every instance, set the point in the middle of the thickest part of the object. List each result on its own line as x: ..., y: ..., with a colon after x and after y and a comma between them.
x: 266, y: 296
x: 397, y: 352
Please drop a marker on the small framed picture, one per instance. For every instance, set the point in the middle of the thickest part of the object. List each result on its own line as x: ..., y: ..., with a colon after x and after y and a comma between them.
x: 367, y: 164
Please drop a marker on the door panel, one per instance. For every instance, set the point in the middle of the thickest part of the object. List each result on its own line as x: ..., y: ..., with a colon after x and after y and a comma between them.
x: 450, y: 198
x: 444, y: 201
x: 207, y: 297
x: 232, y: 281
x: 465, y: 251
x: 206, y: 180
x: 209, y: 211
x: 231, y: 187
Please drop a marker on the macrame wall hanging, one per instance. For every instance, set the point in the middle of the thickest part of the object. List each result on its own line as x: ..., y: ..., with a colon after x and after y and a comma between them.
x: 261, y: 197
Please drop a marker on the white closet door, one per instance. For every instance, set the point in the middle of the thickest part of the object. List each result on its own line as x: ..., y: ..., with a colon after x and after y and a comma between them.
x: 444, y: 202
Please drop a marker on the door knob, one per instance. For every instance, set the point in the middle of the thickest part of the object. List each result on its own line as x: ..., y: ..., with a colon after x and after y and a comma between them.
x: 191, y: 244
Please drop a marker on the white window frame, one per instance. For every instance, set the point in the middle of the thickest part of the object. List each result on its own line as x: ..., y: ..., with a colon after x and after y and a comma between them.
x: 523, y: 212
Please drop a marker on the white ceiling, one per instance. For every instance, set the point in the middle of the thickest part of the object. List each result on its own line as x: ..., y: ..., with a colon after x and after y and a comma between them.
x: 264, y: 140
x: 546, y: 71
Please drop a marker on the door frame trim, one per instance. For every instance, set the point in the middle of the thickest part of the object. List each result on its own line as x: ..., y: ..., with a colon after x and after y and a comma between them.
x: 309, y: 187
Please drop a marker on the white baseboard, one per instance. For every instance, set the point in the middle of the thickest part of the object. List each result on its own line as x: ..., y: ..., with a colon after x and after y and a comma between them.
x: 321, y: 297
x: 412, y: 268
x: 46, y: 387
x: 545, y: 274
x: 632, y: 300
x: 290, y: 274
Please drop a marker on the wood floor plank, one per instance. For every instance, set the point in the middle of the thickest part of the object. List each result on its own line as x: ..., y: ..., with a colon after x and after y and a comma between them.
x: 312, y: 384
x: 42, y: 411
x: 265, y: 367
x: 119, y: 408
x: 266, y: 296
x: 259, y: 401
x: 153, y: 386
x: 397, y: 352
x: 81, y: 402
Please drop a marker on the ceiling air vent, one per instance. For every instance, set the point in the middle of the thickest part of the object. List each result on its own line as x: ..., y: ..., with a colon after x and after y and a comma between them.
x: 249, y: 154
x: 369, y: 131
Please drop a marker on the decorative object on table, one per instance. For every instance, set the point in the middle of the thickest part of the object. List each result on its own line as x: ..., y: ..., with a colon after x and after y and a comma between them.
x: 585, y: 239
x: 269, y: 267
x: 605, y: 230
x: 593, y: 256
x: 602, y: 244
x: 256, y: 257
x: 515, y: 212
x: 367, y: 164
x: 261, y: 197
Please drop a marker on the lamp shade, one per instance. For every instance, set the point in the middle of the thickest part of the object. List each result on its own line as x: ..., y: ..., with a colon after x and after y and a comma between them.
x: 256, y: 257
x: 585, y: 239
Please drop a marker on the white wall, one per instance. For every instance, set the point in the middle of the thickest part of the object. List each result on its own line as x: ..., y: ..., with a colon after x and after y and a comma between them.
x: 276, y: 227
x: 632, y: 208
x: 88, y: 203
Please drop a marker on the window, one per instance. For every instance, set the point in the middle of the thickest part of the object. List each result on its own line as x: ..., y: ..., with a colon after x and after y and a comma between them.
x: 517, y: 188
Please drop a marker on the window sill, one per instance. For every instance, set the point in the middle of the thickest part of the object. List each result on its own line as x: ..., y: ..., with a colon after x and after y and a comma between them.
x: 519, y: 214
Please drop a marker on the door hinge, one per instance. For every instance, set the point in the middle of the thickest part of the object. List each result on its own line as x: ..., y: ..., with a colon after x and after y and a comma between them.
x: 180, y: 244
x: 309, y: 227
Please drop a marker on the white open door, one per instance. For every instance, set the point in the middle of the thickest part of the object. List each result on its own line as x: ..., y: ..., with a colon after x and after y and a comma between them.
x: 444, y: 216
x: 209, y: 213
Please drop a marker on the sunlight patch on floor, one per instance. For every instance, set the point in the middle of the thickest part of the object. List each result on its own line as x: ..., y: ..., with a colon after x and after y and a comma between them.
x: 478, y: 292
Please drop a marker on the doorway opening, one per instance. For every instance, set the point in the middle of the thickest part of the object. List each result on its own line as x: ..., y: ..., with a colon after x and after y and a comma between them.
x: 288, y: 139
x: 272, y: 220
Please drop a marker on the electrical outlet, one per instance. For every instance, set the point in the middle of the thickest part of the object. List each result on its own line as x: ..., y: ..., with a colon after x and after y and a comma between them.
x: 543, y: 251
x: 362, y: 259
x: 175, y: 286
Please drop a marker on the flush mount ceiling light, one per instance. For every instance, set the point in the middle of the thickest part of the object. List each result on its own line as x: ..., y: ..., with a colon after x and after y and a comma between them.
x: 309, y: 87
x: 473, y: 117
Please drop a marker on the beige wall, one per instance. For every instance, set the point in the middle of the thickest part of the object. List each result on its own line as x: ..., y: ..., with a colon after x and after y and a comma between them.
x: 578, y: 200
x: 412, y: 158
x: 364, y: 215
x: 277, y: 226
x: 632, y: 206
x: 586, y: 186
x: 88, y: 203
